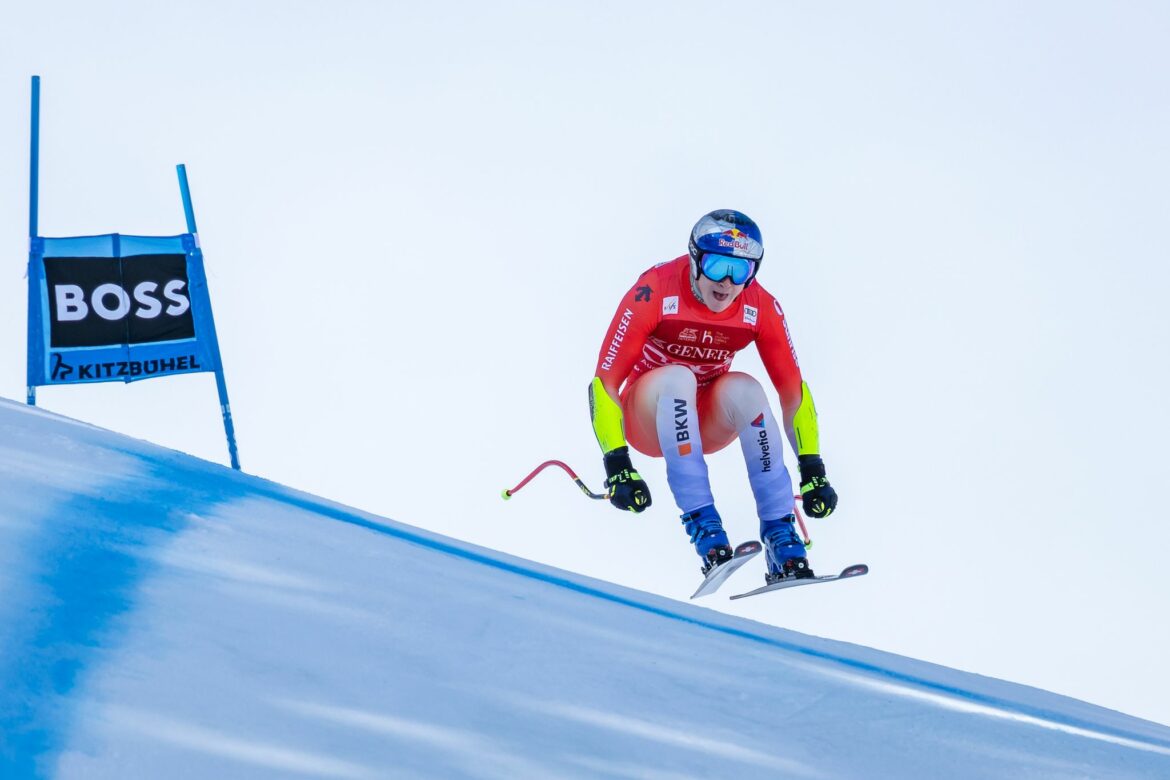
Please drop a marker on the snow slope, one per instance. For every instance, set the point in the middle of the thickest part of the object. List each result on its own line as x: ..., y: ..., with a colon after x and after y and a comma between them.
x: 165, y: 617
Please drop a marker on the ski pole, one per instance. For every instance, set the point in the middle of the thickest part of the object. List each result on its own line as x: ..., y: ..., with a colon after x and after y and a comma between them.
x: 509, y: 493
x: 800, y: 520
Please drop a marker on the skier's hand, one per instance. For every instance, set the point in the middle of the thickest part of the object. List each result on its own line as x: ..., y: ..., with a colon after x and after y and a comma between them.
x: 816, y: 494
x: 625, y: 487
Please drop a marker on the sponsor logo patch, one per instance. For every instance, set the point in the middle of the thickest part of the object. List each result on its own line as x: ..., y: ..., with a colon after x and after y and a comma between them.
x: 750, y: 314
x: 700, y: 353
x: 96, y: 302
x: 63, y: 371
x: 734, y: 239
x: 615, y: 343
x: 682, y: 432
x: 670, y: 305
x: 765, y: 451
x: 788, y: 336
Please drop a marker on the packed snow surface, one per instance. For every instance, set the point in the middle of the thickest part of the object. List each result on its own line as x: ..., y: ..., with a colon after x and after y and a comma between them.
x: 166, y: 617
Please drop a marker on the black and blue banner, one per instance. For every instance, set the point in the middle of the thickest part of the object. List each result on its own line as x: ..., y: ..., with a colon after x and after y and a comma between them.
x: 117, y: 308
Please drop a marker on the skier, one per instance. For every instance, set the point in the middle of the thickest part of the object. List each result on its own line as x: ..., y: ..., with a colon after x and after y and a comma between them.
x: 664, y: 385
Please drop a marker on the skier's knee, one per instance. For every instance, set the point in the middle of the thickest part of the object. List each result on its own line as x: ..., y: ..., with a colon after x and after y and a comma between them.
x: 676, y: 379
x: 744, y: 392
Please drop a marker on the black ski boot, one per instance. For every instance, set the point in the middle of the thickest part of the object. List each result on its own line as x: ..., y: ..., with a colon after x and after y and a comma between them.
x: 791, y: 568
x: 719, y: 554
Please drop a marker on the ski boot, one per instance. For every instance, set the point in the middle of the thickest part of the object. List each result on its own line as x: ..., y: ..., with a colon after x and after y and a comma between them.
x: 784, y: 551
x: 706, y: 530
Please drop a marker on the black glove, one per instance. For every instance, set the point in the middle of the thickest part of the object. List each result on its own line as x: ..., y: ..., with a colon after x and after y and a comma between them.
x: 626, y: 489
x: 816, y: 493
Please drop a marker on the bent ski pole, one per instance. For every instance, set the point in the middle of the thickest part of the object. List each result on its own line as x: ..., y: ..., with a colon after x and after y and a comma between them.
x: 509, y: 493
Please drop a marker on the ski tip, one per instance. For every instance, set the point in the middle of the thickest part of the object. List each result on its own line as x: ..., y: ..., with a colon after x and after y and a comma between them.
x: 748, y: 548
x: 856, y: 570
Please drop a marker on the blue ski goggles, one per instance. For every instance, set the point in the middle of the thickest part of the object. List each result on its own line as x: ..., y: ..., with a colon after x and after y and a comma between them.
x: 719, y: 267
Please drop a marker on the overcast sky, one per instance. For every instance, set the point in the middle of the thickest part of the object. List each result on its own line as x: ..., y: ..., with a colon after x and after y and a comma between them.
x: 419, y: 218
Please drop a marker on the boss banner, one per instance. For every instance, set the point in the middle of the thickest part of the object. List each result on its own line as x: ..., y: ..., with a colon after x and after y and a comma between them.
x: 118, y: 308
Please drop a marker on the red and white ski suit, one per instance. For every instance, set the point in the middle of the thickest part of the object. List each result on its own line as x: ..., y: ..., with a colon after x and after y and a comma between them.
x: 660, y: 327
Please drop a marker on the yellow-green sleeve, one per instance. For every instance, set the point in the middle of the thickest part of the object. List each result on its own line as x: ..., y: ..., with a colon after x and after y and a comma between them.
x: 606, y: 416
x: 808, y: 441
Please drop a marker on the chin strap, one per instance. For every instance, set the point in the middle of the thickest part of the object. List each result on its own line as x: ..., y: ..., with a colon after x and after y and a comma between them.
x: 695, y: 290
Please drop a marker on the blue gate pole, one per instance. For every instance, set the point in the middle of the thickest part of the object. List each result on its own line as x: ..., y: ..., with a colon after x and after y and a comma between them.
x: 229, y: 429
x: 34, y: 160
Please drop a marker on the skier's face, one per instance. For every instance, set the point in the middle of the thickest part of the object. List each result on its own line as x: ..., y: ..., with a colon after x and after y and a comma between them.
x: 718, y: 295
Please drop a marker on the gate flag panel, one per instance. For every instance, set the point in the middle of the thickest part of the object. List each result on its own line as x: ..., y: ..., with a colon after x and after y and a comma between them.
x: 117, y: 308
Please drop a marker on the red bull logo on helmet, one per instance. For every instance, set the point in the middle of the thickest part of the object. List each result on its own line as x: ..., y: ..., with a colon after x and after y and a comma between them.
x: 733, y: 242
x: 734, y: 239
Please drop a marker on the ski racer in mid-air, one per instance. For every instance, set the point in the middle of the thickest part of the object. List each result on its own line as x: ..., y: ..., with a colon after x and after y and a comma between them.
x: 664, y: 385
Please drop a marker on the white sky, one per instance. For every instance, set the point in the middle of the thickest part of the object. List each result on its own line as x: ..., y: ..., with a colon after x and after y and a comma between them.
x: 418, y: 219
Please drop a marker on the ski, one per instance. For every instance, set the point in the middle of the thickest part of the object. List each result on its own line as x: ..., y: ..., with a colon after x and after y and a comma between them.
x: 856, y: 570
x: 716, y: 577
